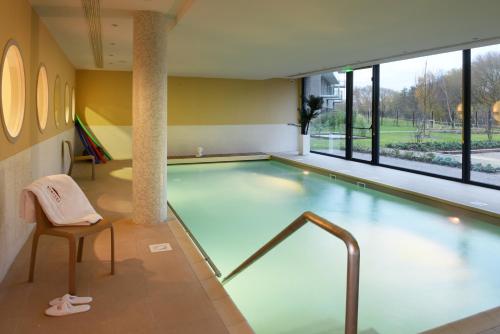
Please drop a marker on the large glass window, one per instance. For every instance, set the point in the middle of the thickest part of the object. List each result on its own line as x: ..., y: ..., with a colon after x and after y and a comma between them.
x: 485, y: 115
x: 362, y: 114
x: 420, y: 114
x: 13, y: 90
x: 328, y: 130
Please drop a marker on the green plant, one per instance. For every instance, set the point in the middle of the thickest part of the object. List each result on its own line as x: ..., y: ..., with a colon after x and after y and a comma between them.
x: 485, y: 168
x: 311, y: 109
x: 442, y: 146
x: 431, y: 158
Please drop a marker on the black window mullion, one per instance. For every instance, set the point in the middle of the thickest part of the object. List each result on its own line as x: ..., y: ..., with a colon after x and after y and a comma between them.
x: 375, y: 114
x: 466, y: 110
x: 348, y: 118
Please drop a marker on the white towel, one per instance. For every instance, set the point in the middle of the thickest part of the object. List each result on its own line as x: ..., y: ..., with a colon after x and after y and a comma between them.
x: 61, y: 199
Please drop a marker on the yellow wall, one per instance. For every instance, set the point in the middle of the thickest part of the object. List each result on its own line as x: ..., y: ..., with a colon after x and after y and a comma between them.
x: 19, y: 21
x: 105, y: 98
x: 201, y: 101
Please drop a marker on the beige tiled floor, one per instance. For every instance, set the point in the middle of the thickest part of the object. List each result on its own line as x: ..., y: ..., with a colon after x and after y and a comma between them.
x: 150, y: 293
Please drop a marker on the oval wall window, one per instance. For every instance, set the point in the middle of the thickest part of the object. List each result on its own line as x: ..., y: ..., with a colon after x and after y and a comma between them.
x: 57, y: 100
x: 42, y: 97
x: 13, y: 90
x: 73, y: 105
x: 66, y: 103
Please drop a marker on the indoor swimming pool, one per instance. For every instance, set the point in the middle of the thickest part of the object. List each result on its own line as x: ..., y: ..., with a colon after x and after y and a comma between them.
x: 421, y: 266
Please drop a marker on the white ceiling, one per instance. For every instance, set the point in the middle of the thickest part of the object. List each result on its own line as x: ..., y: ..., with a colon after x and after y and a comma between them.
x: 259, y: 39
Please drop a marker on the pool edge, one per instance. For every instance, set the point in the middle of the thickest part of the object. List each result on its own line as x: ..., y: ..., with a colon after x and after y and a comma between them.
x: 217, y: 158
x: 380, y: 186
x: 233, y: 319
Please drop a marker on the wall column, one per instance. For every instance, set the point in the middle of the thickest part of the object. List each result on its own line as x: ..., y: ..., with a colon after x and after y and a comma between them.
x: 149, y: 123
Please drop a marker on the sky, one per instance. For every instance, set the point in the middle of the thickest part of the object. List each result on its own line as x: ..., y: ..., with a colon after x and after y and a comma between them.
x: 400, y: 74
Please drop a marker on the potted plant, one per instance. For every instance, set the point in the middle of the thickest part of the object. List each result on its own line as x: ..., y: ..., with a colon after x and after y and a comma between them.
x: 311, y: 109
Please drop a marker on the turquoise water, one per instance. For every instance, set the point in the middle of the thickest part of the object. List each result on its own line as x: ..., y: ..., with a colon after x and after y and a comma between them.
x: 421, y: 266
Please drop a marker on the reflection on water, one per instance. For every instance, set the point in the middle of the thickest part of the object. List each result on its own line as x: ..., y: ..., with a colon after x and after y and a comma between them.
x: 421, y: 266
x: 463, y: 248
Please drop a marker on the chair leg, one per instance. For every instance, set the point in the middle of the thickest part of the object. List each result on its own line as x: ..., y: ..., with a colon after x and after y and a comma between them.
x: 112, y: 250
x: 70, y: 170
x: 34, y: 247
x: 72, y: 266
x: 80, y: 250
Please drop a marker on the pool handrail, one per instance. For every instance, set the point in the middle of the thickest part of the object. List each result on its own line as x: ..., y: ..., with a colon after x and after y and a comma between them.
x: 353, y: 252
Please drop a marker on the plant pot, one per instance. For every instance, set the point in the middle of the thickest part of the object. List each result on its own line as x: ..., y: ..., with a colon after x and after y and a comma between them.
x: 304, y: 144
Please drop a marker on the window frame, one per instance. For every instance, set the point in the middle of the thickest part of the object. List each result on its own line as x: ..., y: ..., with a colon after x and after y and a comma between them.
x: 56, y: 113
x: 67, y: 104
x: 13, y: 138
x: 466, y: 128
x: 40, y: 67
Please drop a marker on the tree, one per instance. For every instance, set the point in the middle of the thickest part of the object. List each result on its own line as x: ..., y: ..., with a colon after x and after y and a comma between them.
x: 426, y: 95
x: 486, y: 88
x: 387, y: 104
x: 450, y: 89
x: 362, y: 101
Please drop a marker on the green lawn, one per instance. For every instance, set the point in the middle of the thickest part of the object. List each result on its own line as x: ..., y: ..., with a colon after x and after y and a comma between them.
x: 404, y: 133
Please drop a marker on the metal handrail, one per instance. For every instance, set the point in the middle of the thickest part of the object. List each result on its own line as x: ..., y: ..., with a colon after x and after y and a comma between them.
x: 352, y: 289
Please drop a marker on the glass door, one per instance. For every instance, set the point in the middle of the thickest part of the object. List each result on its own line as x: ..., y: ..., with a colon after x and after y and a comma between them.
x: 328, y: 130
x: 362, y: 114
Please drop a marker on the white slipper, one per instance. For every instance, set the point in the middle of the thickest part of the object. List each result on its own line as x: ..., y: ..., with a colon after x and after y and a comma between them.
x: 73, y: 300
x: 65, y: 308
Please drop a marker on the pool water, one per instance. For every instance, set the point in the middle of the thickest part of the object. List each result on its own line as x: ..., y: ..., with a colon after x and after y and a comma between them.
x: 421, y: 266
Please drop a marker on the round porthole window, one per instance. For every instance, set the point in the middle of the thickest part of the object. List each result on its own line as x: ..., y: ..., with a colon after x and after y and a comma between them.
x: 73, y: 105
x: 13, y: 90
x: 57, y: 100
x: 66, y: 103
x: 42, y: 98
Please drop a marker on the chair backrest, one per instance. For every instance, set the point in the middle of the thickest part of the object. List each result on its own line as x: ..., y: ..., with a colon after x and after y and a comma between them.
x: 70, y: 150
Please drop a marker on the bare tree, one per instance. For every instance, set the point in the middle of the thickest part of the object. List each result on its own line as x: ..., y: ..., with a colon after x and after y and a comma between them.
x: 486, y: 88
x: 450, y: 85
x: 426, y: 95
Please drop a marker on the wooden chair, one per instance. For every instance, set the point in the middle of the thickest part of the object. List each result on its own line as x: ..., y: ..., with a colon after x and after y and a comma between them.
x: 78, y: 158
x: 72, y: 233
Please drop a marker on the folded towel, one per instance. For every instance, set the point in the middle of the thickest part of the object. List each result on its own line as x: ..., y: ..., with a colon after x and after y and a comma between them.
x: 61, y: 199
